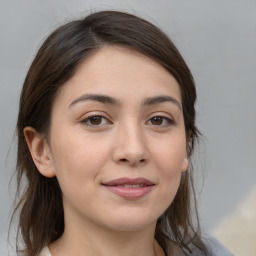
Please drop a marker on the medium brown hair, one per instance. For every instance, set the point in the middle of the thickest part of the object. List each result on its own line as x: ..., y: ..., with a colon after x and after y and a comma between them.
x: 40, y: 209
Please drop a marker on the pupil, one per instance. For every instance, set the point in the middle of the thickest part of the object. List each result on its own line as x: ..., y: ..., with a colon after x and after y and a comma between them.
x: 96, y: 120
x: 157, y: 120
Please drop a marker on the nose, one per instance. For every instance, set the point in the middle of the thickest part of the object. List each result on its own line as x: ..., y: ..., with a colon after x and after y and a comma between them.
x: 130, y: 147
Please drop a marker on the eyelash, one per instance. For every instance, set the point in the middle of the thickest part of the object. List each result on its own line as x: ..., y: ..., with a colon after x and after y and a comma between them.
x: 168, y: 121
x: 89, y: 119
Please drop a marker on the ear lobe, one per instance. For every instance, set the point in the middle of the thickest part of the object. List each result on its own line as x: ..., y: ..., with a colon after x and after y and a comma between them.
x: 185, y: 165
x: 40, y: 152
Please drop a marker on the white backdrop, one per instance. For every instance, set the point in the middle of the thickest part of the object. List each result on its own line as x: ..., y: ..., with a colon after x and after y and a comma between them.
x: 218, y: 41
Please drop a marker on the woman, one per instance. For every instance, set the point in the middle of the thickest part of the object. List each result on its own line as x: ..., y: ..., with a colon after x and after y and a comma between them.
x: 106, y: 130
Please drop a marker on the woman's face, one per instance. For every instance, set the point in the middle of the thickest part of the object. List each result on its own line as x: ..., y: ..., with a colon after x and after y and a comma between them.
x: 117, y: 140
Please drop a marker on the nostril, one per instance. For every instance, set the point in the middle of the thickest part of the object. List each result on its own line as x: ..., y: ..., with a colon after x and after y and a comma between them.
x: 135, y: 162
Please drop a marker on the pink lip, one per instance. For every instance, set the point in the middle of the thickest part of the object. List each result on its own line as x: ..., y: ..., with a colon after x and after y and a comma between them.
x: 117, y: 187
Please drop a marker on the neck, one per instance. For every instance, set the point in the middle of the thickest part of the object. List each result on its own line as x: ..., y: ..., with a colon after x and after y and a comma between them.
x: 91, y: 240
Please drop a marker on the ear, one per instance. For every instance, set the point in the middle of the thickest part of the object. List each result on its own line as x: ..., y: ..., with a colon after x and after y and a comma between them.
x: 185, y: 164
x: 40, y: 152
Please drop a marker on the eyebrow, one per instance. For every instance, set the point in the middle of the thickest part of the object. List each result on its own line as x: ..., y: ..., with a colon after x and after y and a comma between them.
x: 96, y: 97
x: 161, y: 99
x: 105, y: 99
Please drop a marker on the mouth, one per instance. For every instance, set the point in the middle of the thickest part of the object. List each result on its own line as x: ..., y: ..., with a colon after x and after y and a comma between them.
x: 129, y: 188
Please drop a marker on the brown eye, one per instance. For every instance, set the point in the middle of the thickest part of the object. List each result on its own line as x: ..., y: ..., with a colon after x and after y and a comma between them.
x: 95, y: 120
x: 161, y: 121
x: 157, y: 120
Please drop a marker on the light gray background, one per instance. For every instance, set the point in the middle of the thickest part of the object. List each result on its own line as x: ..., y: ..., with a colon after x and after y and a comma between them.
x: 218, y: 41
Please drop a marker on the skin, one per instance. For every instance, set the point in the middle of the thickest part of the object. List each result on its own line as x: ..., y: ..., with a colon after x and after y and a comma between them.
x: 124, y: 140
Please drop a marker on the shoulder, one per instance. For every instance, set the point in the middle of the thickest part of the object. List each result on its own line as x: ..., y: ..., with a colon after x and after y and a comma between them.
x: 45, y: 252
x: 215, y: 248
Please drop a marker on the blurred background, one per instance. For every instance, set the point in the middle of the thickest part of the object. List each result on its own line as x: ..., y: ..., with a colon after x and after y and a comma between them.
x: 218, y: 41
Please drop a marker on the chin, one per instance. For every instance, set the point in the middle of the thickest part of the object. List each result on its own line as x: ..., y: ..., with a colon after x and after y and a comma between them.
x: 132, y: 222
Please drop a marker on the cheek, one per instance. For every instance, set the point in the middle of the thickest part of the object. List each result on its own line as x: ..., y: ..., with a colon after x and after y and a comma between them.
x: 170, y: 161
x: 170, y: 156
x: 77, y: 158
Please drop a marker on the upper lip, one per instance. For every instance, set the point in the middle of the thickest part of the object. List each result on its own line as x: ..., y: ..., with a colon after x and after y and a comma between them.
x: 123, y: 181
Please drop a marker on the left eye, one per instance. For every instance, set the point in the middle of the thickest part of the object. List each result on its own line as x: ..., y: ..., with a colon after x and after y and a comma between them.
x: 160, y: 121
x: 95, y: 120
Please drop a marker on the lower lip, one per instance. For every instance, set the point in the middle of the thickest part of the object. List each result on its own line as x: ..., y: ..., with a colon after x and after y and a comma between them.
x: 130, y: 193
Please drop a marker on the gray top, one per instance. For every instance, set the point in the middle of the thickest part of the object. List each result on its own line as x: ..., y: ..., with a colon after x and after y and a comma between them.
x: 214, y: 246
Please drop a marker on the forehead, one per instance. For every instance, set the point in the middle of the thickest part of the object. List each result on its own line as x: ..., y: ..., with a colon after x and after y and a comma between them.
x: 121, y: 72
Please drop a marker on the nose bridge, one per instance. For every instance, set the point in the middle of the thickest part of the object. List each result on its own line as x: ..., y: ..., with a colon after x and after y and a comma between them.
x: 131, y: 146
x: 133, y: 136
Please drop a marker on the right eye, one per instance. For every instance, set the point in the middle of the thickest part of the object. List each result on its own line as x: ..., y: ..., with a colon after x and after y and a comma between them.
x: 95, y: 120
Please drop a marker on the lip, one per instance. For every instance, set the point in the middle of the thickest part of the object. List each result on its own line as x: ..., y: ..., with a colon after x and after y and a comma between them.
x: 117, y: 186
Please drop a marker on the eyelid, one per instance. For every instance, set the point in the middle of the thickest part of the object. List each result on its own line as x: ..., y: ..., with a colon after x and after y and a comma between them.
x: 95, y: 113
x: 162, y: 114
x: 169, y: 119
x: 87, y: 117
